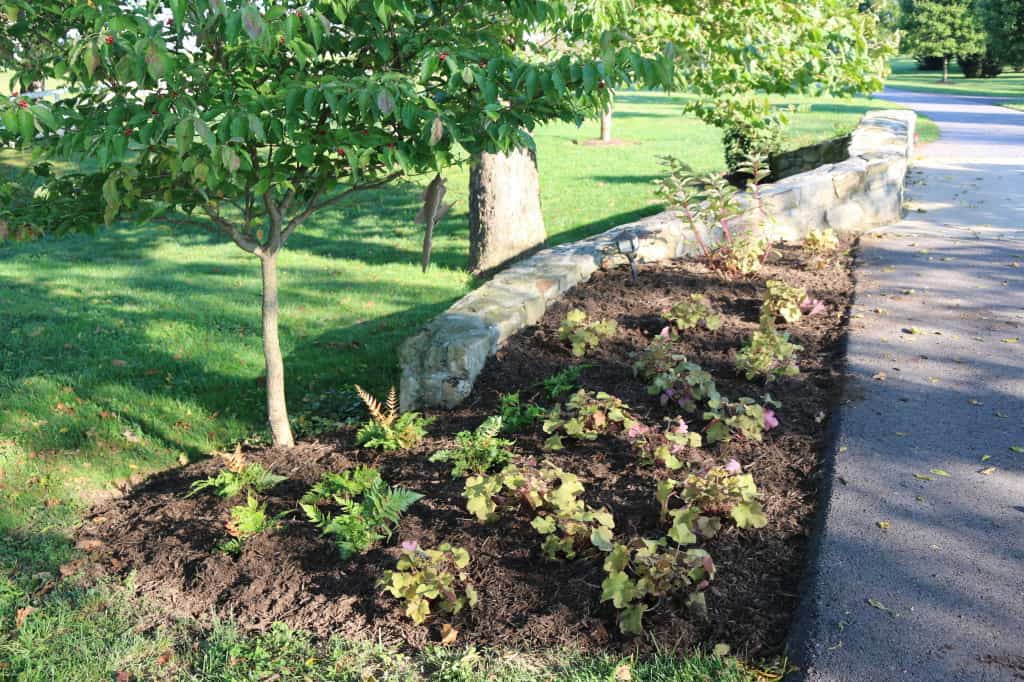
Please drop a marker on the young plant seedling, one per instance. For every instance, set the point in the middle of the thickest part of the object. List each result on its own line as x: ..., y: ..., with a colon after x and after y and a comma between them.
x: 821, y: 242
x: 246, y: 521
x: 237, y: 477
x: 782, y: 300
x: 583, y: 336
x: 585, y: 416
x: 768, y: 354
x: 691, y: 311
x: 743, y: 418
x: 516, y: 415
x: 387, y: 429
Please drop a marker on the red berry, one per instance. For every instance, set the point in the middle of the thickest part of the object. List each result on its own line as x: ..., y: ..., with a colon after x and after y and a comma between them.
x: 127, y: 132
x: 600, y: 84
x: 299, y: 14
x: 443, y: 56
x: 170, y: 22
x: 341, y: 152
x: 23, y: 104
x: 366, y: 131
x: 109, y: 40
x: 155, y: 112
x: 482, y: 64
x: 391, y: 145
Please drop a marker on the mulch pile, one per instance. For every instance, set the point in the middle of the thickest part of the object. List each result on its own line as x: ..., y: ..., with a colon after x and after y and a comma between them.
x: 296, y: 576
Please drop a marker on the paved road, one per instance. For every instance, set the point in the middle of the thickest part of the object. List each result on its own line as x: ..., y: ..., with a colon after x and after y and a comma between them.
x: 936, y: 357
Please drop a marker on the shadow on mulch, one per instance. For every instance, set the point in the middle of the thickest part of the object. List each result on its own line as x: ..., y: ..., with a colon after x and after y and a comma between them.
x: 294, y: 575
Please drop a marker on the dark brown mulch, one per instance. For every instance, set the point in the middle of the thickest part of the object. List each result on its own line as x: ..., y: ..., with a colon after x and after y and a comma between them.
x: 294, y: 575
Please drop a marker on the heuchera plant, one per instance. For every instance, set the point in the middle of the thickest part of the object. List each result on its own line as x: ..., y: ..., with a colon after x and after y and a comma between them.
x: 582, y: 335
x: 552, y: 495
x: 721, y: 491
x: 651, y: 569
x: 744, y: 418
x: 664, y: 447
x: 585, y: 416
x: 821, y: 242
x: 768, y: 354
x: 782, y: 300
x: 425, y: 578
x: 690, y: 312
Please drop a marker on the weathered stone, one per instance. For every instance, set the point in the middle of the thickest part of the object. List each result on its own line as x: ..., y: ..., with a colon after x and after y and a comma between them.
x: 441, y: 362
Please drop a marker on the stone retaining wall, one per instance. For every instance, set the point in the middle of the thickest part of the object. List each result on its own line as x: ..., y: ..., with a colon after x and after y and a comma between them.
x: 442, y: 360
x: 788, y: 163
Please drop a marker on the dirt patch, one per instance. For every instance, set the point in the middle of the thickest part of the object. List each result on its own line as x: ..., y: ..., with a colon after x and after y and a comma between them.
x: 296, y: 576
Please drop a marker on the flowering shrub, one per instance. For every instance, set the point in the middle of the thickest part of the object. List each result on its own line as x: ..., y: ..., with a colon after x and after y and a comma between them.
x: 583, y: 336
x: 585, y: 416
x: 430, y: 577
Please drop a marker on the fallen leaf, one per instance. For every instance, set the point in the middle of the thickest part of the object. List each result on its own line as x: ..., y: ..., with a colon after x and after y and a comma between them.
x: 448, y: 634
x: 131, y: 436
x: 987, y: 471
x: 1001, y: 415
x: 183, y: 459
x: 21, y: 614
x: 901, y: 434
x: 164, y: 658
x: 911, y: 330
x: 623, y: 673
x: 123, y: 676
x: 972, y: 401
x: 1015, y: 339
x: 89, y: 545
x: 882, y: 607
x: 939, y: 472
x: 721, y: 649
x: 881, y: 376
x: 922, y: 477
x: 1017, y: 448
x: 884, y: 525
x: 985, y: 458
x: 119, y: 363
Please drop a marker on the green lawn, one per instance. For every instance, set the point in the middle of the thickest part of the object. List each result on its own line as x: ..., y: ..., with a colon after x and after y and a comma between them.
x: 131, y: 350
x: 906, y: 76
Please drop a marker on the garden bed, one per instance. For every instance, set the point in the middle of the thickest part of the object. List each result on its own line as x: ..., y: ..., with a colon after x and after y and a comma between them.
x: 295, y: 575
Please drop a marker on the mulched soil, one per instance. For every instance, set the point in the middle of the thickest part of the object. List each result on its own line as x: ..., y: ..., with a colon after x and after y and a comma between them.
x: 296, y: 576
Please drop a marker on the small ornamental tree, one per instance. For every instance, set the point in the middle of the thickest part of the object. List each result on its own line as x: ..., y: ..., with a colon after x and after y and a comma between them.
x: 246, y: 118
x: 943, y: 28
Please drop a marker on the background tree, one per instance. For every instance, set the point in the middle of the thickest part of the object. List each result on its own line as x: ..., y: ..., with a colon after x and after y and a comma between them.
x: 943, y: 28
x: 247, y: 118
x: 1003, y: 21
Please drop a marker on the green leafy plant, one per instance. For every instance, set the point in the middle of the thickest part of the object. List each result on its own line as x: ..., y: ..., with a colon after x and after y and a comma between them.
x: 727, y: 234
x: 743, y: 418
x: 582, y: 335
x: 368, y: 509
x: 663, y: 447
x: 387, y: 429
x: 552, y: 495
x: 563, y: 381
x: 768, y: 354
x: 237, y: 477
x: 585, y: 416
x: 782, y: 300
x: 691, y: 311
x: 721, y: 491
x: 517, y: 415
x: 477, y: 451
x: 246, y: 521
x: 647, y: 570
x: 821, y: 242
x: 426, y: 578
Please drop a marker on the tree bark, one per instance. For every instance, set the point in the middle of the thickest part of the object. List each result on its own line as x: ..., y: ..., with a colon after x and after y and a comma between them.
x: 504, y: 209
x: 945, y: 69
x: 277, y: 407
x: 606, y: 124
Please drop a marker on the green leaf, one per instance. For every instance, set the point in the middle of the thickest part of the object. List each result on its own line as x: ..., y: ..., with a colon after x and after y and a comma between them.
x: 619, y: 589
x: 184, y: 133
x: 749, y: 515
x: 940, y: 472
x: 43, y: 113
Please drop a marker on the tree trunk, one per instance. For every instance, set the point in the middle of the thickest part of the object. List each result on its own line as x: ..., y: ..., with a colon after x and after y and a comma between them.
x: 945, y: 69
x: 277, y: 408
x: 606, y: 124
x: 504, y: 209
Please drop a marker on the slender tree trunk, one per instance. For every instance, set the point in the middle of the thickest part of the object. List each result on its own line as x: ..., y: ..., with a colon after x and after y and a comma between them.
x: 277, y: 408
x: 606, y: 124
x: 945, y: 69
x: 504, y: 209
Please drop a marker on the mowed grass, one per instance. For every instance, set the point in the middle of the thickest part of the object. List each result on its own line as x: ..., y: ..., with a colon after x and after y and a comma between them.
x: 134, y: 349
x: 906, y: 76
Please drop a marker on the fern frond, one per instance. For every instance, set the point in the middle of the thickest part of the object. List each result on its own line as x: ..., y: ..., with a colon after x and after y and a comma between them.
x: 392, y: 404
x: 373, y: 405
x: 490, y: 428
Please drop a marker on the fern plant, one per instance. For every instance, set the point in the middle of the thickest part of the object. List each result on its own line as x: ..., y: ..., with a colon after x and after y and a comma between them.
x: 368, y: 508
x: 247, y: 520
x: 387, y: 428
x: 477, y: 452
x: 563, y: 381
x: 517, y: 415
x: 237, y: 477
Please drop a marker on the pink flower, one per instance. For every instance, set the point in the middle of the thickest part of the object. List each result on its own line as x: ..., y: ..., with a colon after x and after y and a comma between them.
x: 665, y: 333
x: 733, y: 467
x: 770, y: 420
x: 681, y: 427
x: 812, y: 306
x: 410, y: 545
x: 637, y: 430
